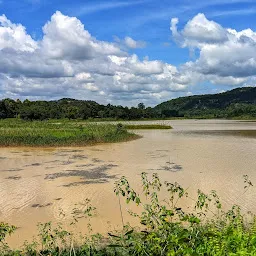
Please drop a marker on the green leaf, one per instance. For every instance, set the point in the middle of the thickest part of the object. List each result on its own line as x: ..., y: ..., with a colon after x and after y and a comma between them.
x: 129, y: 232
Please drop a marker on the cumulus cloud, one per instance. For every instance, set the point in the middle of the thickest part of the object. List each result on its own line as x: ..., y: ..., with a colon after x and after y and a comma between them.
x: 199, y: 31
x: 144, y: 67
x: 66, y: 38
x: 226, y: 56
x: 131, y: 43
x: 69, y: 62
x: 84, y: 77
x: 15, y: 37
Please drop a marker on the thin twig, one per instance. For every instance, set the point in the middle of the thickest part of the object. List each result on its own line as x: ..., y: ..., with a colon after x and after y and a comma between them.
x: 121, y: 212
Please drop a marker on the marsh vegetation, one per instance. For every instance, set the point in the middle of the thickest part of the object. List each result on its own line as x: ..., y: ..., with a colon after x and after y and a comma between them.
x: 16, y: 132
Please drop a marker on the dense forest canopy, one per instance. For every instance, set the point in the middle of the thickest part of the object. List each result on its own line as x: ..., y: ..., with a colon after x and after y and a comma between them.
x: 71, y: 109
x: 240, y: 102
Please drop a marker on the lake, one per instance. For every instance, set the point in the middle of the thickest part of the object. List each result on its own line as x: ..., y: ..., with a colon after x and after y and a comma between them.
x: 37, y: 185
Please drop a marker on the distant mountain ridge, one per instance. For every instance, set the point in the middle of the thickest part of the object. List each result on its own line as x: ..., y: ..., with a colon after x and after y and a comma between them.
x: 237, y: 102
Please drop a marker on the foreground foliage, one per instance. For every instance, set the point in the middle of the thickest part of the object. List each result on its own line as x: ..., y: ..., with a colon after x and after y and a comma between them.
x: 166, y: 228
x: 15, y: 132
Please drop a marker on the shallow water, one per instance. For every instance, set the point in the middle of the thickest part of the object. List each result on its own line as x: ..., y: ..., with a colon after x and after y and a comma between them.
x: 37, y: 184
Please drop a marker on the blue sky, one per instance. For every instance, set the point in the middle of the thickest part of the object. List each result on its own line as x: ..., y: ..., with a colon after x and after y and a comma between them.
x: 147, y: 23
x: 142, y: 20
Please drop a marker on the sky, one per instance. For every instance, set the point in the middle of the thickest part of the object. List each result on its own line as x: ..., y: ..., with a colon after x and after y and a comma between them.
x: 125, y: 51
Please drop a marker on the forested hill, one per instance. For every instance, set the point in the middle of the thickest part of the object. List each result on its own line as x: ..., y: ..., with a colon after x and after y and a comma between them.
x: 239, y: 102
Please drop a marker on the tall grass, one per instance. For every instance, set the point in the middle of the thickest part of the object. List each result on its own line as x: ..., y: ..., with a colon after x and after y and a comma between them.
x: 166, y: 228
x: 15, y: 132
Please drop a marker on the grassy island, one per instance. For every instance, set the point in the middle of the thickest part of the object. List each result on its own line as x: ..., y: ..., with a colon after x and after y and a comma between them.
x: 16, y: 132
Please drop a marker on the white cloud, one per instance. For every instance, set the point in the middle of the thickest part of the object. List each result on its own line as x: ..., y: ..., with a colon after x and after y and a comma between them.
x: 15, y: 37
x: 198, y: 32
x: 228, y: 80
x: 131, y: 43
x: 91, y: 87
x: 70, y: 62
x: 226, y: 56
x: 144, y: 67
x: 84, y: 77
x: 66, y: 38
x: 117, y: 60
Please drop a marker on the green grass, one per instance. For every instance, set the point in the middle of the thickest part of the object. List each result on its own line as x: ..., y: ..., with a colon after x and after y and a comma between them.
x: 147, y: 126
x: 165, y: 228
x: 15, y: 132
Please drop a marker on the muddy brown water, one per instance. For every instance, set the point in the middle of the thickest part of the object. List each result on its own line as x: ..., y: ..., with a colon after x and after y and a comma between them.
x: 36, y: 185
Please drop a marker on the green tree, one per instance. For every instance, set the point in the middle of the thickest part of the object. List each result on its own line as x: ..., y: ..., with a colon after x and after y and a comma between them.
x: 141, y: 106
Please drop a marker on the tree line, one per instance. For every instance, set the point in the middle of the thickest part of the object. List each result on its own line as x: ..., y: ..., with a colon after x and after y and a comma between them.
x: 72, y: 109
x: 237, y: 103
